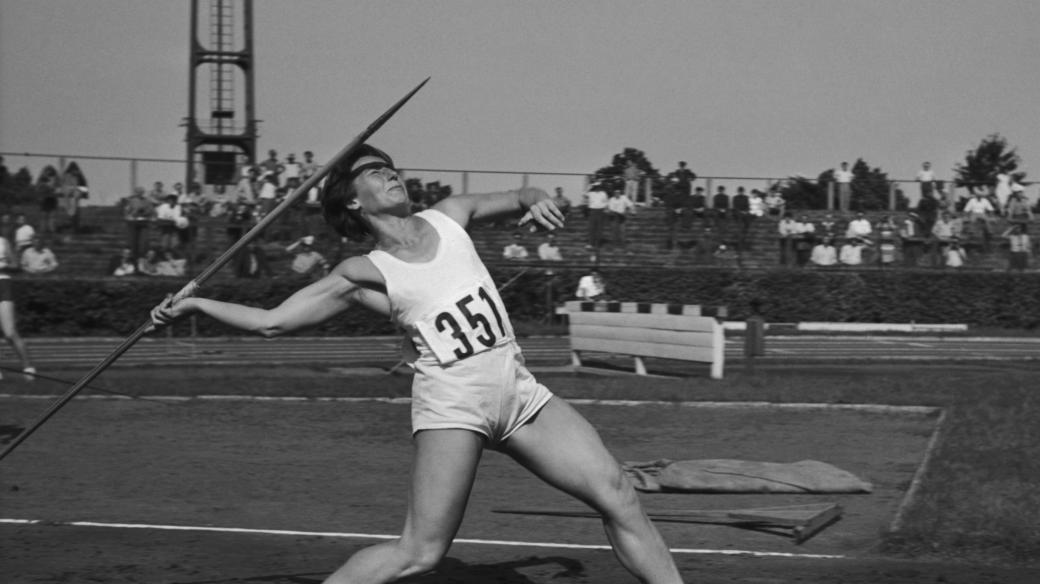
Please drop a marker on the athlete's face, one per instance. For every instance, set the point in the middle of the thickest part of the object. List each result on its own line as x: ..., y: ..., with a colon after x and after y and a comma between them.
x: 378, y: 184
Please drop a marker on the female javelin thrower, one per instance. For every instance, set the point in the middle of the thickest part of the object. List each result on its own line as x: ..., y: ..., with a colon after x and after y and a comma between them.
x: 8, y: 321
x: 471, y: 390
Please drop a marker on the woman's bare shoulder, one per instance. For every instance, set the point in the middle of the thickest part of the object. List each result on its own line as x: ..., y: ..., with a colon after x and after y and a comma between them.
x: 360, y: 270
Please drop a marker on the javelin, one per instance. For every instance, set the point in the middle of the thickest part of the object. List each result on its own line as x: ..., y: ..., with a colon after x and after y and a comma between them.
x: 191, y: 287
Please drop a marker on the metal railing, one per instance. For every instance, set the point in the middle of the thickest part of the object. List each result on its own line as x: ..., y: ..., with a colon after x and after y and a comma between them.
x: 111, y: 178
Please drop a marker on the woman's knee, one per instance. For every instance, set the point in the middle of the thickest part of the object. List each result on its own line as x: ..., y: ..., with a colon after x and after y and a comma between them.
x: 614, y: 494
x: 422, y: 557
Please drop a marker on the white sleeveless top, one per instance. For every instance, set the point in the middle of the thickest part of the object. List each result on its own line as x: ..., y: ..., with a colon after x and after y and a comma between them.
x: 448, y: 306
x: 8, y: 261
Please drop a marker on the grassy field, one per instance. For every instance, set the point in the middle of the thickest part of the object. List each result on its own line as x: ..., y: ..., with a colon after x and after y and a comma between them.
x: 977, y: 502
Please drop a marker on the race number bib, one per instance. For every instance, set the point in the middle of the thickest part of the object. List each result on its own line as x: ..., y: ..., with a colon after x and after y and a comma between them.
x: 472, y: 324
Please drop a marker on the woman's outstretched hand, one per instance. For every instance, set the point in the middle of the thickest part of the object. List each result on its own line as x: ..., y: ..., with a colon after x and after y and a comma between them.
x: 168, y: 311
x: 544, y: 215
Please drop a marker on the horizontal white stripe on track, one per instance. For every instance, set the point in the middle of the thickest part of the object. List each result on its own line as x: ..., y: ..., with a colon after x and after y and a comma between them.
x: 391, y: 537
x: 872, y: 408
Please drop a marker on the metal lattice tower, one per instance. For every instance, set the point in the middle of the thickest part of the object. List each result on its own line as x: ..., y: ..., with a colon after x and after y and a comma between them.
x: 226, y: 139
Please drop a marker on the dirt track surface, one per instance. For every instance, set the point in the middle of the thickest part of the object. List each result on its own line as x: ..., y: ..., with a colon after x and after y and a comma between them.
x: 322, y: 466
x: 73, y: 555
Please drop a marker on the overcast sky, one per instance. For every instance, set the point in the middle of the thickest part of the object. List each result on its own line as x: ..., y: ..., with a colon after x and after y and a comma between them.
x: 737, y: 88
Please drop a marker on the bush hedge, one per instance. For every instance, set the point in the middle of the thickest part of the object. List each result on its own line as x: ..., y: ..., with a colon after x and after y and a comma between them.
x: 107, y: 307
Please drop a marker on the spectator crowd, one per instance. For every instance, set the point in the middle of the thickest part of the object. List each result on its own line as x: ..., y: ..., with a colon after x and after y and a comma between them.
x: 942, y: 229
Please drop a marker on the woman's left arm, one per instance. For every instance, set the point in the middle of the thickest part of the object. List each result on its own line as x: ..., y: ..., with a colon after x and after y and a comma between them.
x: 531, y: 205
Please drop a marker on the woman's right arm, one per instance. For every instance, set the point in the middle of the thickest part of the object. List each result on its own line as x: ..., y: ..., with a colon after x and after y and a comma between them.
x: 309, y: 306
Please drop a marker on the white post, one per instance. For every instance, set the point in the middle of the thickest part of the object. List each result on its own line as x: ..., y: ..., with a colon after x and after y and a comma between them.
x: 718, y: 346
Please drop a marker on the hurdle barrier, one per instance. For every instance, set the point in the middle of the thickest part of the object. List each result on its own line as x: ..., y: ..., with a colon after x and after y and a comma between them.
x: 686, y: 332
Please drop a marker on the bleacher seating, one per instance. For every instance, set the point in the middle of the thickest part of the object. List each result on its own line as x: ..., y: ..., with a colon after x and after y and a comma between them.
x: 104, y: 234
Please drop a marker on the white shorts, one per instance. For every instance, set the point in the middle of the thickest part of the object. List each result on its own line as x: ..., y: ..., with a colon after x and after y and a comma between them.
x: 491, y: 393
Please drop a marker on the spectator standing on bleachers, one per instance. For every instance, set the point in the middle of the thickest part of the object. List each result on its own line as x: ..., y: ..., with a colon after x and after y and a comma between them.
x: 720, y: 203
x: 8, y: 321
x: 306, y: 260
x: 829, y: 227
x: 591, y: 286
x: 928, y: 211
x: 271, y: 167
x: 138, y: 212
x: 775, y: 203
x: 944, y: 231
x: 312, y: 214
x: 178, y: 189
x: 246, y: 187
x: 122, y: 264
x: 698, y: 205
x: 824, y: 254
x: 268, y: 195
x: 218, y: 202
x: 7, y: 230
x: 1019, y: 247
x: 561, y: 201
x: 677, y: 211
x: 843, y: 179
x: 787, y: 231
x: 632, y: 176
x: 912, y: 237
x: 1017, y: 209
x: 23, y: 234
x: 926, y: 180
x: 946, y: 197
x: 596, y: 198
x: 38, y: 258
x: 684, y: 177
x: 74, y: 190
x: 741, y: 205
x: 515, y: 249
x: 886, y: 234
x: 239, y: 219
x: 1002, y: 191
x: 191, y: 200
x: 309, y: 167
x: 170, y: 219
x: 979, y: 213
x: 47, y: 185
x: 757, y: 204
x: 860, y: 227
x: 291, y: 172
x: 804, y: 241
x: 192, y: 209
x: 619, y: 206
x: 548, y: 250
x: 157, y: 195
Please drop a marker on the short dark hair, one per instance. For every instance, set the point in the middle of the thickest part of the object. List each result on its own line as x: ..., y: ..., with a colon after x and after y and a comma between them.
x: 339, y: 190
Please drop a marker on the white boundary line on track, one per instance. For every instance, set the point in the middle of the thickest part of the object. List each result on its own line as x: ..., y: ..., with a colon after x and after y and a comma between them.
x: 875, y: 408
x: 915, y: 483
x: 194, y: 528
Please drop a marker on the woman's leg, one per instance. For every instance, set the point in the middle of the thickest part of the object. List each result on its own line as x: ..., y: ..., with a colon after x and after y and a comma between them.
x: 10, y: 330
x: 564, y: 450
x: 443, y: 470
